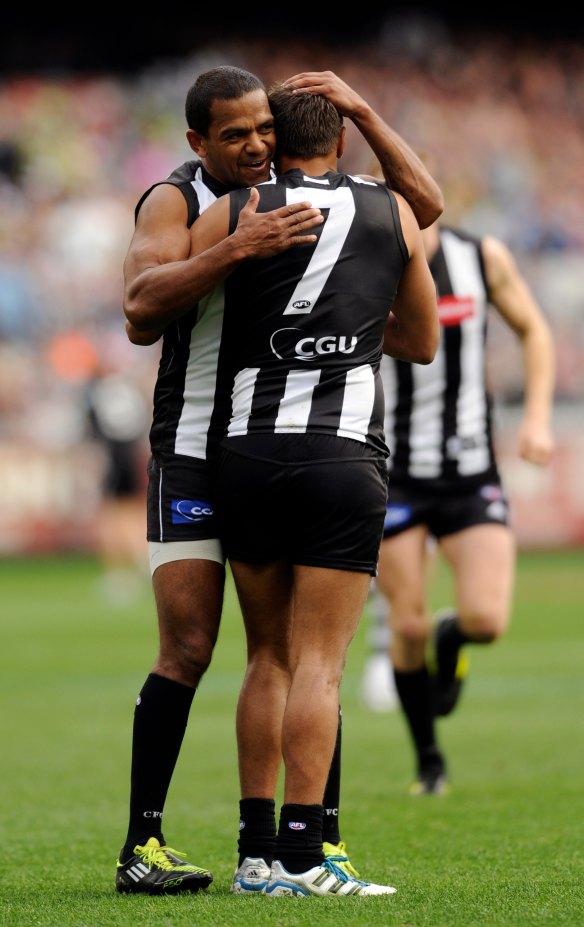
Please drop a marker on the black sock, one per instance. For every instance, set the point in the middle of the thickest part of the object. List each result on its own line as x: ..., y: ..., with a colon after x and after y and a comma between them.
x: 332, y: 793
x: 257, y: 829
x: 415, y: 693
x: 448, y: 645
x: 299, y: 842
x: 160, y: 720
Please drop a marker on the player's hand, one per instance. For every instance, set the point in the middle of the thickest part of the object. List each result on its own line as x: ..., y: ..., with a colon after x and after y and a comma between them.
x: 535, y: 443
x: 344, y: 98
x: 263, y: 234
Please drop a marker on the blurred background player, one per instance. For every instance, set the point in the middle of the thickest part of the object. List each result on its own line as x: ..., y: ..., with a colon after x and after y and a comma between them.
x: 117, y: 416
x: 378, y: 692
x: 444, y: 482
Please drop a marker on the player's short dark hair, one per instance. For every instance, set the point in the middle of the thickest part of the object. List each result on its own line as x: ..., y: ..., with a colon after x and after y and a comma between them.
x: 307, y: 124
x: 221, y: 83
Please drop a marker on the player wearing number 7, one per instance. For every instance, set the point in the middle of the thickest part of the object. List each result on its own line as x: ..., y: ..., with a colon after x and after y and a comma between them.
x: 301, y: 477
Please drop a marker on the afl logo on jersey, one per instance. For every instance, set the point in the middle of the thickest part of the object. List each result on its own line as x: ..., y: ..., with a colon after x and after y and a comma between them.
x: 302, y: 304
x: 286, y: 345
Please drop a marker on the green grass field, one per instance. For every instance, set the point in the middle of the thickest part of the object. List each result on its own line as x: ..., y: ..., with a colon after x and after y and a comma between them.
x: 505, y: 847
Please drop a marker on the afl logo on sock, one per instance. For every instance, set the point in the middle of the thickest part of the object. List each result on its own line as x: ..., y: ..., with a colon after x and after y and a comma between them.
x: 296, y: 825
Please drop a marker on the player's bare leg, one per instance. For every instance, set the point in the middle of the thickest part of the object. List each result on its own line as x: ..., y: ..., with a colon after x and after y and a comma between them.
x: 482, y: 558
x: 403, y: 565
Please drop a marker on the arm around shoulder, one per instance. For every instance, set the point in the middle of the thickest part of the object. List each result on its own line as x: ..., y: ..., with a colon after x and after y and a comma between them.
x: 402, y: 169
x: 165, y: 276
x: 154, y: 268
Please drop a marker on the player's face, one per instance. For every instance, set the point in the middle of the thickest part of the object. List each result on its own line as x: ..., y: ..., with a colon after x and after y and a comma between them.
x: 239, y: 148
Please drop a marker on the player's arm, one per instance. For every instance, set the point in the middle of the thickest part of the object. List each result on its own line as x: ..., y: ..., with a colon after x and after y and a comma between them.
x: 402, y: 168
x: 511, y: 296
x: 163, y: 280
x: 144, y: 337
x: 412, y: 332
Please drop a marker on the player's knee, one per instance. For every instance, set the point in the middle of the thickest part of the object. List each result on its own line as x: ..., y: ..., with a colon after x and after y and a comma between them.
x: 412, y: 629
x: 197, y: 650
x: 485, y: 627
x: 267, y: 649
x: 187, y: 657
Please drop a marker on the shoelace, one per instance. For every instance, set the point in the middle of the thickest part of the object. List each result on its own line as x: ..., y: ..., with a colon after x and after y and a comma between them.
x: 156, y: 856
x: 342, y: 857
x: 338, y: 859
x: 340, y: 874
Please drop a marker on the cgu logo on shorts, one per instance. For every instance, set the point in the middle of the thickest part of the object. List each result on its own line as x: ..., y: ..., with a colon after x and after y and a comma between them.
x: 286, y: 345
x: 396, y: 515
x: 185, y: 511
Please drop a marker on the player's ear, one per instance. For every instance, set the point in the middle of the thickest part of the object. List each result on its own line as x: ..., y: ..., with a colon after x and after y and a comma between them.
x: 197, y: 143
x: 341, y: 142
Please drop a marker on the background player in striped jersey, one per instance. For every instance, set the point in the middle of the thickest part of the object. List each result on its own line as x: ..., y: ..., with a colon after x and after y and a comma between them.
x: 231, y: 131
x: 444, y: 483
x: 301, y: 476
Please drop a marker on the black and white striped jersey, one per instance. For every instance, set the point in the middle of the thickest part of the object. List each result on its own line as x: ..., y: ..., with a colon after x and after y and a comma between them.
x: 438, y: 416
x: 303, y: 330
x: 184, y: 395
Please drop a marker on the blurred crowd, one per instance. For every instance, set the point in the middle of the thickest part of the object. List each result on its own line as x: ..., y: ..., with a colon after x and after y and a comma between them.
x: 503, y: 123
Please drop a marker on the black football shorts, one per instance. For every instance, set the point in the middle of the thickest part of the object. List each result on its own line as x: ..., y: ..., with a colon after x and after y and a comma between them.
x: 444, y: 511
x: 314, y: 500
x: 124, y: 474
x: 179, y: 501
